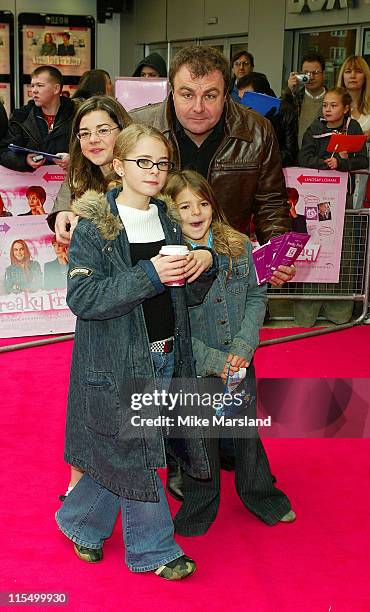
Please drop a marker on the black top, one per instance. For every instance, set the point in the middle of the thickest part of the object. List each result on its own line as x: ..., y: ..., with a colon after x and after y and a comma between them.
x: 158, y: 312
x: 194, y: 157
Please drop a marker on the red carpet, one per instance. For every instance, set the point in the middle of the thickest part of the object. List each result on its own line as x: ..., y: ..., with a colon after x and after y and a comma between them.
x: 319, y: 563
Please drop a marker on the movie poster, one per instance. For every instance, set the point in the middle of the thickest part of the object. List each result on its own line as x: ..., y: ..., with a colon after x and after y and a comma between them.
x: 318, y: 198
x: 33, y: 266
x: 33, y: 279
x: 68, y: 48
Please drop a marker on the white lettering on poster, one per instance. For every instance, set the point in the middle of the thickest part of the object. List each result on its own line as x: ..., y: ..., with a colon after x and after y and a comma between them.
x: 297, y: 6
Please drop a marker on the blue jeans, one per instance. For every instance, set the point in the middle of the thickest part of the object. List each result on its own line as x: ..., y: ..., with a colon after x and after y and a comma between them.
x: 89, y: 512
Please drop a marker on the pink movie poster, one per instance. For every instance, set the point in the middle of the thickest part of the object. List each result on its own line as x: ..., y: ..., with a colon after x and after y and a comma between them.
x: 33, y: 266
x: 133, y: 92
x: 4, y: 48
x: 319, y: 197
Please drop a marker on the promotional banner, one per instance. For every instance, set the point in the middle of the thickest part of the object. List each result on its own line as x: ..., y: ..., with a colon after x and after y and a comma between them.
x: 133, y: 92
x: 317, y: 199
x: 33, y: 266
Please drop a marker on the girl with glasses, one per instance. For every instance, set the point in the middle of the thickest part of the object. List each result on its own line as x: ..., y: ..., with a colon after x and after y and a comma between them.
x: 132, y: 336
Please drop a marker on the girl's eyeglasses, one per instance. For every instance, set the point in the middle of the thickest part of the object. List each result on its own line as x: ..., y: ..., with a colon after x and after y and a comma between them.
x: 102, y: 132
x: 147, y: 164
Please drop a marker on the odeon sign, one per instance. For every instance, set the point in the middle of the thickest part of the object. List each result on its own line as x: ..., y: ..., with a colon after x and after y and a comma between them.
x: 296, y: 6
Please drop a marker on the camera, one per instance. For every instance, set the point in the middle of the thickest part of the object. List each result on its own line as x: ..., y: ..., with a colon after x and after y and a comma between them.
x: 303, y: 78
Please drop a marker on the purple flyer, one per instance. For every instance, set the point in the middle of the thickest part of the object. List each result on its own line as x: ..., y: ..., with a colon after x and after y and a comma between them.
x: 259, y: 262
x: 290, y: 249
x: 281, y: 250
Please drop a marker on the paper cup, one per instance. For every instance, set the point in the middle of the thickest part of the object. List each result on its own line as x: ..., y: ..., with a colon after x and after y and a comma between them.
x: 174, y: 249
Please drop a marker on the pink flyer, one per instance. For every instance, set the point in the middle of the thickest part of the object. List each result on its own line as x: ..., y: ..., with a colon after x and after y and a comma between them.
x: 321, y: 200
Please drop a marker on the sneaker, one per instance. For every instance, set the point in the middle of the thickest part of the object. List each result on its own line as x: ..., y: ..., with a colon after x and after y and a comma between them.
x: 177, y: 569
x: 91, y: 555
x: 289, y: 517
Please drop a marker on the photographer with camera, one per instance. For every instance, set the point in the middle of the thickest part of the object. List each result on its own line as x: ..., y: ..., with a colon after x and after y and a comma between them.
x: 306, y: 91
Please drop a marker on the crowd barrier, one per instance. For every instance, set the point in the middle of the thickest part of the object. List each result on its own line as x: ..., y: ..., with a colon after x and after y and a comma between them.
x: 353, y: 282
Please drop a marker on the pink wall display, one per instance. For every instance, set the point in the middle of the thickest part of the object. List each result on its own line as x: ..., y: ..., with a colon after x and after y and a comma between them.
x: 33, y: 266
x: 133, y: 92
x: 320, y: 197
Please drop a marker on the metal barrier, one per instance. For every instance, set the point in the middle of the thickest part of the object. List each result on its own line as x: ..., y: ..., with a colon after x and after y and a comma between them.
x: 353, y: 277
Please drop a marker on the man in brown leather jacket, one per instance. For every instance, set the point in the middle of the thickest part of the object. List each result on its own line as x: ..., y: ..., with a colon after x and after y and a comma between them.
x: 232, y: 146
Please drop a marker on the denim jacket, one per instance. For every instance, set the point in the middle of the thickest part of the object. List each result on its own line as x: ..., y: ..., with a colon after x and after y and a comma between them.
x: 229, y: 319
x: 111, y: 354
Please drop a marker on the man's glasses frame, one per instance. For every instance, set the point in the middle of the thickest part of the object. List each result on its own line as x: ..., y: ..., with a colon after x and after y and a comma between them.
x: 312, y: 72
x: 147, y: 164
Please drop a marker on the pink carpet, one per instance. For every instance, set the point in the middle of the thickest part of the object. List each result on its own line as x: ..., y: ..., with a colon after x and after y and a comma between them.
x: 319, y: 563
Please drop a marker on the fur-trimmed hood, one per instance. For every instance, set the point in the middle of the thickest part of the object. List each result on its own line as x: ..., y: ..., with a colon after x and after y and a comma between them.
x: 95, y: 207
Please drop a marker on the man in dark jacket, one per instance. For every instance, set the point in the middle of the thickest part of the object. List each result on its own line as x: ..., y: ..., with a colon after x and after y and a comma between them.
x: 233, y: 147
x: 44, y: 124
x: 65, y: 48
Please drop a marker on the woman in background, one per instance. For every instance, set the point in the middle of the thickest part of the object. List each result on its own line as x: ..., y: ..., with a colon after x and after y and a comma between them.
x: 354, y: 75
x: 93, y: 83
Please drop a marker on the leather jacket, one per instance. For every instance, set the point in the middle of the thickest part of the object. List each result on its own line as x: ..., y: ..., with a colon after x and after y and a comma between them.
x: 245, y: 173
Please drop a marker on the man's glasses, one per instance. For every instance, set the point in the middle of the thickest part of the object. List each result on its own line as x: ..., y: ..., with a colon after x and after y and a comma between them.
x: 147, y: 164
x: 240, y: 64
x: 312, y: 72
x: 102, y: 132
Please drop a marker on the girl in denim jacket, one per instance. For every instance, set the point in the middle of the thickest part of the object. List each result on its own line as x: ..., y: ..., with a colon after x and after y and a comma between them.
x: 132, y: 335
x: 225, y: 334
